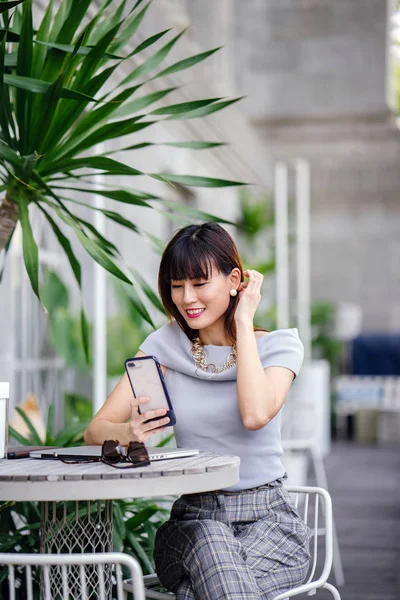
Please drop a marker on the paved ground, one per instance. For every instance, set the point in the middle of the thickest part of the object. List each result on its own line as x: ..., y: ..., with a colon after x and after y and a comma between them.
x: 364, y: 483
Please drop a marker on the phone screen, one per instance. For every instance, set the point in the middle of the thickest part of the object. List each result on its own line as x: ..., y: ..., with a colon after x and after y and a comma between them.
x: 146, y: 380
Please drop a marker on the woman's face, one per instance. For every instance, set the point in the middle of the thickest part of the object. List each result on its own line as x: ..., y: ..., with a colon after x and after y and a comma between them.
x: 202, y: 302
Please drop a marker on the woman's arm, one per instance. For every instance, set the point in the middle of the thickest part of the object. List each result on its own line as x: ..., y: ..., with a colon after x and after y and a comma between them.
x: 119, y: 417
x: 261, y: 392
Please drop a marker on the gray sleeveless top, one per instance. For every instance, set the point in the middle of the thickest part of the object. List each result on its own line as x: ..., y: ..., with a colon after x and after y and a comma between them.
x: 207, y: 412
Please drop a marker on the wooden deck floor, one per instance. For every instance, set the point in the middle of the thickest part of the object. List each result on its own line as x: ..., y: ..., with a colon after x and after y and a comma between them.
x: 364, y: 482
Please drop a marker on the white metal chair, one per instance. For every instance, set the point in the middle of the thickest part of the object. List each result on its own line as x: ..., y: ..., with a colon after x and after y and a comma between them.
x: 74, y: 573
x: 315, y: 506
x: 303, y: 422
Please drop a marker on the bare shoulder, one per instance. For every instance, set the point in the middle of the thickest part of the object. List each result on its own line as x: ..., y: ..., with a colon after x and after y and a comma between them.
x: 260, y: 334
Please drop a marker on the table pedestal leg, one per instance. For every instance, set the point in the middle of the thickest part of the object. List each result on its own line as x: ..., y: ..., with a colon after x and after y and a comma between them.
x: 77, y: 527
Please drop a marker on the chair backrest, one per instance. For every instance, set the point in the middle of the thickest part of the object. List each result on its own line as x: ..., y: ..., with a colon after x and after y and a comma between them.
x: 71, y: 576
x: 306, y: 412
x: 315, y: 507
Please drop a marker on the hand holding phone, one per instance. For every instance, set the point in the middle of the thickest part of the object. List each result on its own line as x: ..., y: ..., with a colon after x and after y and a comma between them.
x: 152, y: 410
x: 146, y: 424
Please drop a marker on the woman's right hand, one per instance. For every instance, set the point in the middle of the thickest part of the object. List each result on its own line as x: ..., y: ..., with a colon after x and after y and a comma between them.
x: 141, y: 430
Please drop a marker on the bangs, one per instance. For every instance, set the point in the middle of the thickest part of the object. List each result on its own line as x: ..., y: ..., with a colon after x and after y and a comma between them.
x: 190, y: 261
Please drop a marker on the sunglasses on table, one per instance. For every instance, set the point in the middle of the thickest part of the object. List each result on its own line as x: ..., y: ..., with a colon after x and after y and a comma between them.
x: 113, y: 454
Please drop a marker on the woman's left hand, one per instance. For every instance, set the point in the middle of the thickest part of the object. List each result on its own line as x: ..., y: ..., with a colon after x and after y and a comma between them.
x: 249, y: 296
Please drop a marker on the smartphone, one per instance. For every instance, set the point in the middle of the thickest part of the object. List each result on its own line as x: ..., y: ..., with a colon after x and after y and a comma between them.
x: 146, y: 379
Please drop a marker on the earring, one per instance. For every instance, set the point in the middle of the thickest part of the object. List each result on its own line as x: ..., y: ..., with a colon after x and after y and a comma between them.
x: 233, y: 292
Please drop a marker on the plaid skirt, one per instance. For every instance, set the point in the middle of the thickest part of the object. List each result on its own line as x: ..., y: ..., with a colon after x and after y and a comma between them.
x: 250, y: 545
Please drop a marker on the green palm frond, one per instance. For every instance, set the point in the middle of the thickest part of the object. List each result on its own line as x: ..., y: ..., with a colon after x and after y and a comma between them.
x: 60, y: 104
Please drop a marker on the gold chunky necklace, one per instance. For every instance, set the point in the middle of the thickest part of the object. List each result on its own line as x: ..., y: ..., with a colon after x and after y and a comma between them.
x: 199, y: 358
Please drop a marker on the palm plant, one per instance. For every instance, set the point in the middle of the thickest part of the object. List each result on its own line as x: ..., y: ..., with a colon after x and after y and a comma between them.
x: 59, y: 102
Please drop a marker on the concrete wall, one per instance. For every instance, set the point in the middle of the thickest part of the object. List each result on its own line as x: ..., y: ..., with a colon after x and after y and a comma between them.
x: 311, y: 58
x: 314, y: 72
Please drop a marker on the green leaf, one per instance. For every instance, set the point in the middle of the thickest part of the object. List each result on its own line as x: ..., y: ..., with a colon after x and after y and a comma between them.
x: 6, y: 249
x: 40, y: 52
x: 108, y: 165
x: 186, y: 63
x: 4, y: 95
x: 9, y: 155
x: 149, y: 42
x: 135, y: 197
x: 143, y: 102
x: 77, y: 12
x: 43, y: 123
x: 129, y: 30
x: 50, y: 425
x: 100, y: 256
x: 117, y: 15
x: 82, y: 51
x: 65, y: 335
x: 8, y: 5
x: 141, y: 517
x: 140, y: 552
x: 95, y: 58
x: 184, y: 107
x: 66, y: 246
x: 165, y: 441
x: 119, y: 520
x: 205, y: 111
x: 41, y: 87
x: 195, y: 145
x: 182, y: 221
x: 11, y: 36
x: 43, y: 185
x: 195, y: 180
x: 19, y: 438
x: 178, y: 207
x: 57, y: 63
x: 192, y: 145
x: 23, y: 99
x: 157, y: 244
x: 69, y: 112
x: 85, y: 335
x: 29, y: 246
x: 135, y: 305
x: 107, y: 132
x: 94, y: 117
x: 153, y: 61
x: 54, y: 292
x: 35, y: 437
x: 119, y: 219
x: 70, y: 433
x: 108, y: 247
x: 147, y: 290
x: 77, y: 407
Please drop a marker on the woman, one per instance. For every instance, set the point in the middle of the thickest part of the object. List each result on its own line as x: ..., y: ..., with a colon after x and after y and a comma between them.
x: 227, y: 381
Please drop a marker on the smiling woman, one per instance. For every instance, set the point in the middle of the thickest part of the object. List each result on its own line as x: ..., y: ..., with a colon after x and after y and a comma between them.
x: 227, y: 383
x: 199, y: 268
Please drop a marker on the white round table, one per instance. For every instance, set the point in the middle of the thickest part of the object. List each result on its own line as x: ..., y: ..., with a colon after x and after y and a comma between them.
x: 52, y: 480
x: 83, y: 522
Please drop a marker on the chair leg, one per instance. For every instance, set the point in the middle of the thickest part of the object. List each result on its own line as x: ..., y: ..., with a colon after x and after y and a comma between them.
x: 333, y: 590
x: 322, y: 481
